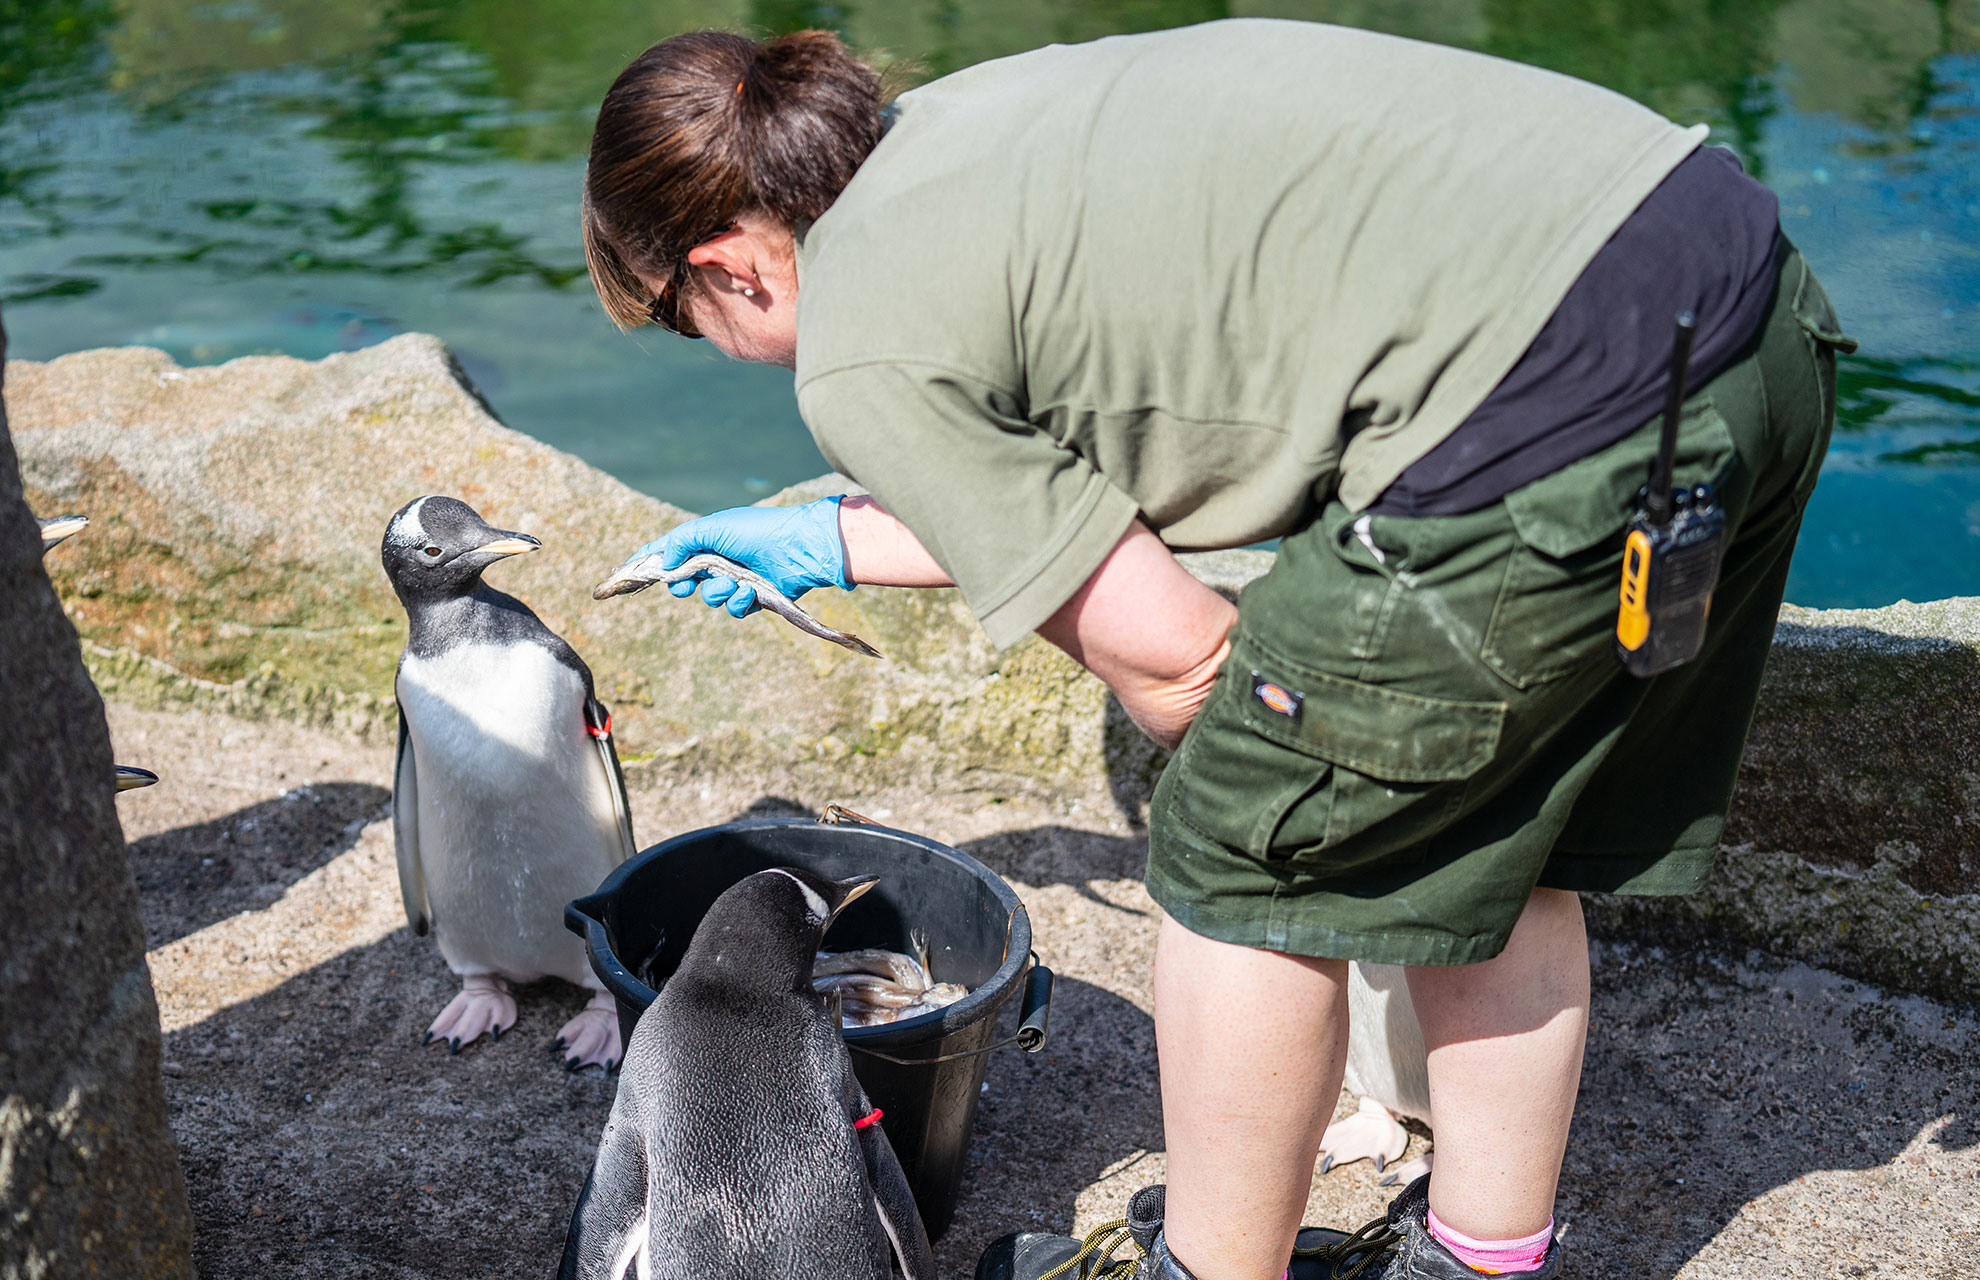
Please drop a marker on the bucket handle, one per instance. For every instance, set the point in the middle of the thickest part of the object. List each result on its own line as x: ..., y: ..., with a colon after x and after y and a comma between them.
x: 1034, y: 1017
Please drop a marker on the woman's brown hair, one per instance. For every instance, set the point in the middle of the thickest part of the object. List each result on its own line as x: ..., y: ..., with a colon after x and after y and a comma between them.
x: 707, y: 126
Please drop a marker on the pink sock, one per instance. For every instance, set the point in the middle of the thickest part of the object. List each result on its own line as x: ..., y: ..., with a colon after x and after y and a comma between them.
x: 1494, y: 1257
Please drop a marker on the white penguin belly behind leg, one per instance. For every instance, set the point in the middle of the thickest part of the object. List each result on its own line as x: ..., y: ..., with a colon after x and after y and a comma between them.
x: 1388, y: 1070
x: 515, y: 814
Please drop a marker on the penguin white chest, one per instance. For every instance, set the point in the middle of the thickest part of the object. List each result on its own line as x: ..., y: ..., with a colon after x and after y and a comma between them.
x: 514, y: 809
x: 491, y: 708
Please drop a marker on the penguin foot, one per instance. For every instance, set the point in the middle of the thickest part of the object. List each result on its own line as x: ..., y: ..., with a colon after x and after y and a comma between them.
x: 592, y: 1038
x: 1371, y: 1133
x: 484, y: 1005
x: 1403, y: 1175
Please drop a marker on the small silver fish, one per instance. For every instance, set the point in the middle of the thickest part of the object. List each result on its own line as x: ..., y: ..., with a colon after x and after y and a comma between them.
x: 876, y: 995
x: 865, y: 989
x: 641, y: 572
x: 902, y: 970
x: 939, y: 996
x: 876, y: 987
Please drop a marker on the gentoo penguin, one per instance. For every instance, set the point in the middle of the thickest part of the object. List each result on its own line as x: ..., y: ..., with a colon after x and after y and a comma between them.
x: 1388, y: 1071
x: 740, y: 1146
x: 55, y: 529
x: 508, y: 801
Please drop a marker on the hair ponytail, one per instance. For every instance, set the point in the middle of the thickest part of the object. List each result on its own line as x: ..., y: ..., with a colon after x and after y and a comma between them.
x: 707, y: 126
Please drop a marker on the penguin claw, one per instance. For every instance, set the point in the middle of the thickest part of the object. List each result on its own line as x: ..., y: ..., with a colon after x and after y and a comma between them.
x: 592, y: 1038
x: 483, y: 1007
x: 1402, y: 1175
x: 1372, y: 1133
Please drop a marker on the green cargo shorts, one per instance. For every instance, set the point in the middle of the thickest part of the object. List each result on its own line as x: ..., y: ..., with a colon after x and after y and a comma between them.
x: 1423, y: 719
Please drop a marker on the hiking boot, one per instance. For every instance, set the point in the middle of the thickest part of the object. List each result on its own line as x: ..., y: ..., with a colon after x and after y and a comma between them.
x: 1037, y: 1255
x: 1400, y: 1247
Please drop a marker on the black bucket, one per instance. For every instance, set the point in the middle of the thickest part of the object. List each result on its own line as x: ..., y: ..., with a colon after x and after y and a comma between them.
x: 925, y: 1072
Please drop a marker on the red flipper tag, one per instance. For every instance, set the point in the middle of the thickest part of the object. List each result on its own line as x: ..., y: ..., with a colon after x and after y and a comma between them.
x: 597, y: 731
x: 863, y: 1121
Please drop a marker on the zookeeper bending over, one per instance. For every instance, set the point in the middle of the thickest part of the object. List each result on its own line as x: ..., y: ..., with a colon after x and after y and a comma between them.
x: 1406, y: 308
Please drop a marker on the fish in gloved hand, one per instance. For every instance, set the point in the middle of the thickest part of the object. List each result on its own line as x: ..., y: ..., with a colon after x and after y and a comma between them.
x: 748, y: 558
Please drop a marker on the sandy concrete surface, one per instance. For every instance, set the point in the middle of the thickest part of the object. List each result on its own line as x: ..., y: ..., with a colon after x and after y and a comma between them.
x: 1740, y: 1117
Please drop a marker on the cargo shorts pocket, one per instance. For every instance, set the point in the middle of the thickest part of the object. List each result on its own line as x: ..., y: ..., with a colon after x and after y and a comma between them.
x: 1292, y: 765
x: 1557, y: 602
x: 1816, y: 314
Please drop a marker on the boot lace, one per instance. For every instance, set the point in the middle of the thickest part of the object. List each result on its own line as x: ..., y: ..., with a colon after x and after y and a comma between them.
x: 1099, y: 1250
x: 1373, y: 1242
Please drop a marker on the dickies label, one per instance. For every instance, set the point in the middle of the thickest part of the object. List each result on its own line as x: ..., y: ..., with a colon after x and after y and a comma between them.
x: 1276, y: 698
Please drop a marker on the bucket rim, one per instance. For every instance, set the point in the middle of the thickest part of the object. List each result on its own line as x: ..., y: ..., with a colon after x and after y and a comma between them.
x: 1000, y: 986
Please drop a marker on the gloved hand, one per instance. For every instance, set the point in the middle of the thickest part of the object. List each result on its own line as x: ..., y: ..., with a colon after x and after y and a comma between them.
x: 796, y: 548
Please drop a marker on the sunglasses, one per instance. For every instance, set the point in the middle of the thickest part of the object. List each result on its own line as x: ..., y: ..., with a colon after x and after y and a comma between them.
x: 665, y: 309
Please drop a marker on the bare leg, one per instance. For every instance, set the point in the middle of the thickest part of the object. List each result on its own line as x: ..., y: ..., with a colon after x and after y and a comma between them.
x: 1252, y: 1045
x: 1505, y: 1040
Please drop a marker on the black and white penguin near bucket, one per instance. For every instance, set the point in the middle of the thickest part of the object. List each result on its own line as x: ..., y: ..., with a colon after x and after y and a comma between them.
x: 740, y: 1145
x: 508, y: 800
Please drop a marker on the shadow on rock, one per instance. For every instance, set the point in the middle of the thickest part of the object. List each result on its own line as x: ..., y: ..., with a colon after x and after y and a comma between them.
x: 1709, y: 1084
x: 320, y: 1139
x: 1134, y: 763
x: 194, y: 876
x: 1063, y: 855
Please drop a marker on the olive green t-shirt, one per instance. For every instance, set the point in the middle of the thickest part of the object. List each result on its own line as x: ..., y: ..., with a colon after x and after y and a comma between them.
x: 1207, y: 275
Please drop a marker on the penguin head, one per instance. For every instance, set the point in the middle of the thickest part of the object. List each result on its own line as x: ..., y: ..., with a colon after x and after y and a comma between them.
x: 436, y: 548
x: 765, y: 929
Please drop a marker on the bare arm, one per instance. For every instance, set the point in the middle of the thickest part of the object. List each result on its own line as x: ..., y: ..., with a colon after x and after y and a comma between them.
x: 1141, y: 623
x: 1150, y: 630
x: 881, y: 552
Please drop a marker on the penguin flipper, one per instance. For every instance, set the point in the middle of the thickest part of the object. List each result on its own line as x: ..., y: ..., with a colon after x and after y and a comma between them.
x: 598, y: 723
x: 609, y: 1226
x: 894, y: 1202
x: 405, y: 833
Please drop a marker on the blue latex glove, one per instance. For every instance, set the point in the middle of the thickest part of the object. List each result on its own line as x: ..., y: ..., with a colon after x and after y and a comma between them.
x: 796, y: 548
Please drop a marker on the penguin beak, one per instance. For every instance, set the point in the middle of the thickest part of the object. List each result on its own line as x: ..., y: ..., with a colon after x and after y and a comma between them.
x: 130, y: 778
x: 509, y: 544
x: 56, y: 528
x: 852, y: 888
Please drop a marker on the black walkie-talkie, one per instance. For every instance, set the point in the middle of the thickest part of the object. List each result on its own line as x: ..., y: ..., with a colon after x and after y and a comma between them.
x: 1671, y: 558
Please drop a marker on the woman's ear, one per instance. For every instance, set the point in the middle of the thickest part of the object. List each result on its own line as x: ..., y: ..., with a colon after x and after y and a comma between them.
x: 735, y: 254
